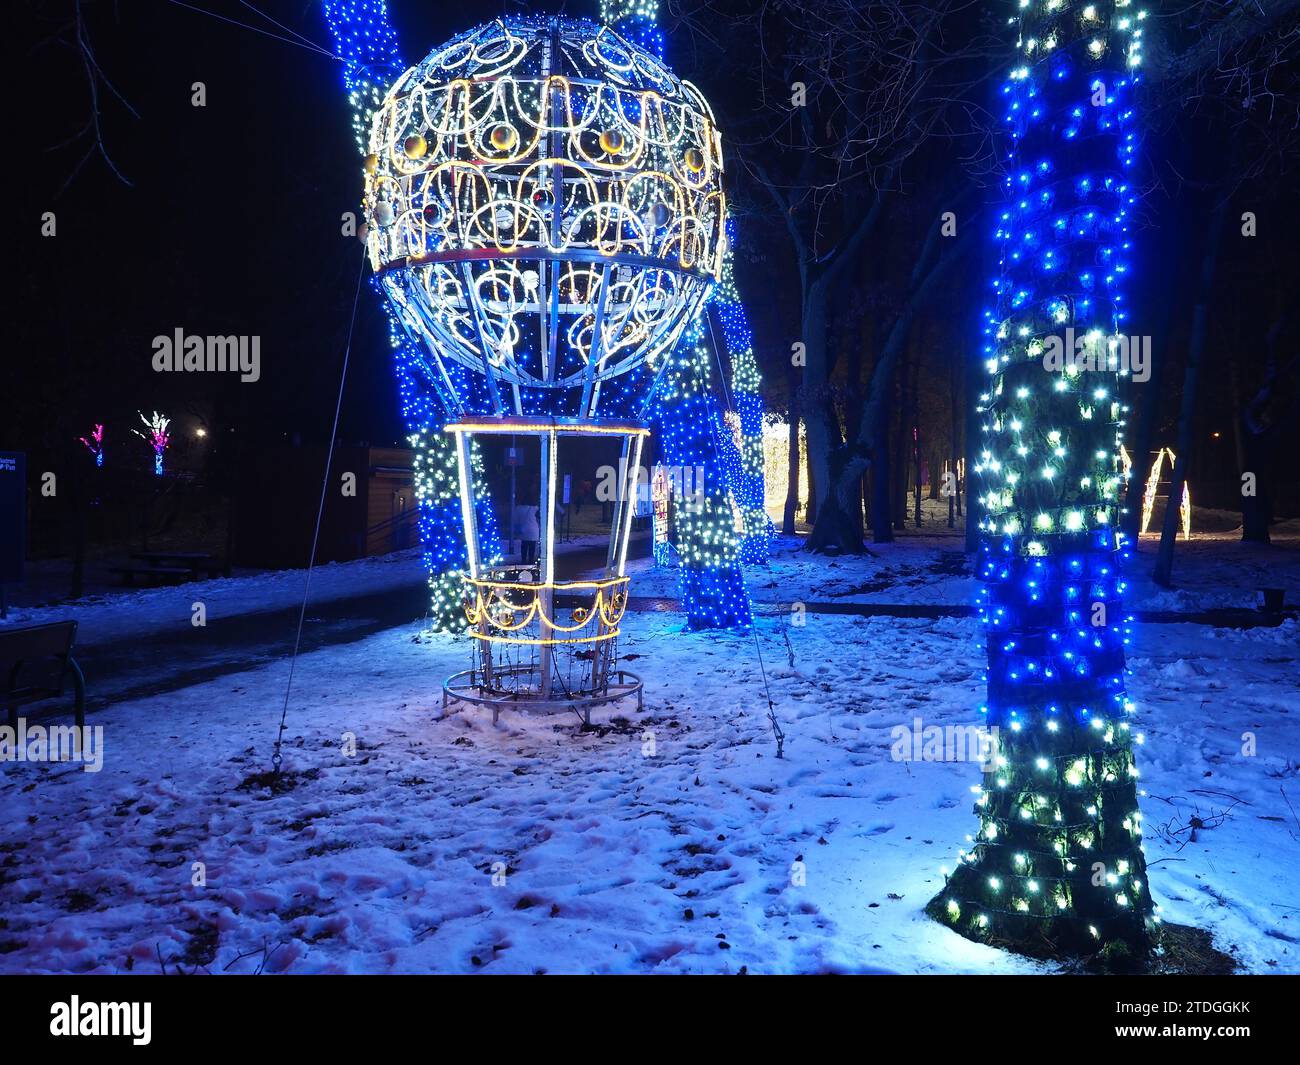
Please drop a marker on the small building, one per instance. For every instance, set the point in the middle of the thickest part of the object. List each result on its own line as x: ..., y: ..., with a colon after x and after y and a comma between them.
x: 369, y: 506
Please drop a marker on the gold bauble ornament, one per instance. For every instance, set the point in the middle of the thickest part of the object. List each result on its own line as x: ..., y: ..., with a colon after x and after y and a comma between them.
x: 504, y: 137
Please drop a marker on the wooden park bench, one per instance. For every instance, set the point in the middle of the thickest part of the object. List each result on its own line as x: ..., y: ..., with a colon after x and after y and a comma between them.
x: 35, y: 663
x: 155, y: 573
x: 196, y: 562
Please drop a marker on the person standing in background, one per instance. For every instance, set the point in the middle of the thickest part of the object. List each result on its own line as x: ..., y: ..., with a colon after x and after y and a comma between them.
x: 525, y: 520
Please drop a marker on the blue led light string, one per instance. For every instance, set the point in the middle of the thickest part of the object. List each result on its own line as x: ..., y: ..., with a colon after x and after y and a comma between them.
x: 437, y: 485
x: 1056, y: 866
x: 365, y: 40
x: 708, y: 548
x: 637, y: 20
x: 745, y: 451
x: 689, y: 424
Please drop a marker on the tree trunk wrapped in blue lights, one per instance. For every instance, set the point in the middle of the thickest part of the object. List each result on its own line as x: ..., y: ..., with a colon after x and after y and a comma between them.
x: 746, y: 474
x: 364, y: 38
x: 703, y: 542
x: 710, y: 582
x: 1056, y: 867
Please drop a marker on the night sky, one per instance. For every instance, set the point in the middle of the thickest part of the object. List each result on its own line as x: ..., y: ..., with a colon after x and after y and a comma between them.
x: 231, y: 224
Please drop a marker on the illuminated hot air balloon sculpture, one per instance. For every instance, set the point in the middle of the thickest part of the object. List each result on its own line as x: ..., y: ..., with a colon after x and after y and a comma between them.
x: 546, y: 215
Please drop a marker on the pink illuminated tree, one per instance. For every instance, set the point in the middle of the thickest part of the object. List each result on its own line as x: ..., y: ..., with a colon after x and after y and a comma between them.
x: 157, y: 437
x: 95, y: 444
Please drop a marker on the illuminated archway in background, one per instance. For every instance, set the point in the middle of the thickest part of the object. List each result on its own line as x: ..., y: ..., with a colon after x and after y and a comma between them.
x: 1151, y: 488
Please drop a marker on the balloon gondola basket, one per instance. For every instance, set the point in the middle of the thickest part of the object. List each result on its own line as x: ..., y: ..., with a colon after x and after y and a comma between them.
x: 543, y: 648
x: 541, y: 644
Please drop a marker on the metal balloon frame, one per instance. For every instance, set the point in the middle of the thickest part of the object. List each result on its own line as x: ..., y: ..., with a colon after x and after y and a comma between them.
x: 546, y: 211
x: 546, y: 214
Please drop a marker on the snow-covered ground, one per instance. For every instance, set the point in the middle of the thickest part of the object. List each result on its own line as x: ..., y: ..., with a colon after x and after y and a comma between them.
x: 447, y: 844
x: 670, y: 840
x: 139, y: 611
x: 927, y: 566
x: 922, y: 567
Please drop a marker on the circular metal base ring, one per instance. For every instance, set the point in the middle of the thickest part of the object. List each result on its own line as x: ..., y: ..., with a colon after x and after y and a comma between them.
x: 465, y: 687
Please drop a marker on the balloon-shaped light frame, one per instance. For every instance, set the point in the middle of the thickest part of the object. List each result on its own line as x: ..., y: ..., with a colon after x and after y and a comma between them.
x: 546, y: 210
x: 546, y: 214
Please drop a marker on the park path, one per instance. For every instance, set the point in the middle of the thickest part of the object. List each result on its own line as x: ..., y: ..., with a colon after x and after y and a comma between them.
x: 172, y: 657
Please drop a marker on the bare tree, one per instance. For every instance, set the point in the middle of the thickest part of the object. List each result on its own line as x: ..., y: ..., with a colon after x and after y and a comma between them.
x: 1230, y: 72
x: 72, y: 32
x: 850, y: 98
